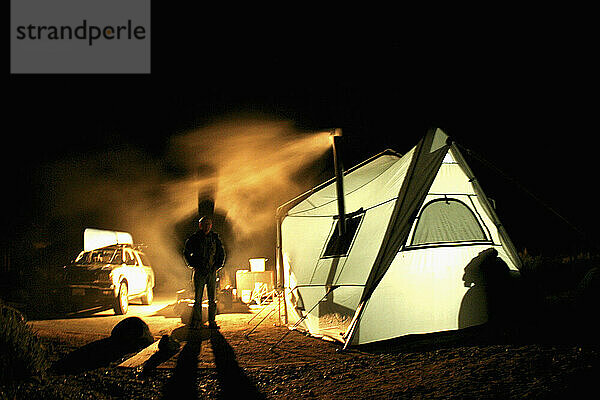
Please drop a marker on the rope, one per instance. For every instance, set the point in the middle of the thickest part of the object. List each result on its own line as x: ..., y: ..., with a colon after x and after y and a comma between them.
x: 536, y: 198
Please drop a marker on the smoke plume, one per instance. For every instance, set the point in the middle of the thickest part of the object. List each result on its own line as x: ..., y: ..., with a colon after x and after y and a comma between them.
x: 247, y: 167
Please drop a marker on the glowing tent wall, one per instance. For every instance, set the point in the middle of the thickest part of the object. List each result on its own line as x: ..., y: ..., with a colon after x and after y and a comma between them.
x: 381, y: 285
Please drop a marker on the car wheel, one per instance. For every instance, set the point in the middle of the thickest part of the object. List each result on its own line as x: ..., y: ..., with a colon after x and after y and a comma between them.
x: 148, y: 296
x: 122, y: 302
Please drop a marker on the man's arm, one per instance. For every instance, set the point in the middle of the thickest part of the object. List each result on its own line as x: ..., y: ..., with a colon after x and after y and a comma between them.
x: 188, y: 252
x: 220, y: 255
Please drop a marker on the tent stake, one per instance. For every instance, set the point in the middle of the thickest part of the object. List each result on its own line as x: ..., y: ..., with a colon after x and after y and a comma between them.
x: 272, y: 296
x: 260, y: 322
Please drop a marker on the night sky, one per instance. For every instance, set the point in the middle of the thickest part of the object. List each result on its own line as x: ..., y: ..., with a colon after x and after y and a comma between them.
x: 522, y: 101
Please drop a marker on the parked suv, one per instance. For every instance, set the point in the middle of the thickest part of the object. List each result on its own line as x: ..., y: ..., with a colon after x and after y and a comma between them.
x: 111, y: 275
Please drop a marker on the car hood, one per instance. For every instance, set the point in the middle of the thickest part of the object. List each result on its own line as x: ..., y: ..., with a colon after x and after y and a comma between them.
x: 87, y: 273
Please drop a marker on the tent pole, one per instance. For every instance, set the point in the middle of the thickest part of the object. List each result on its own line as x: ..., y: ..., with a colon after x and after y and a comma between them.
x: 350, y: 331
x: 261, y: 321
x: 280, y: 272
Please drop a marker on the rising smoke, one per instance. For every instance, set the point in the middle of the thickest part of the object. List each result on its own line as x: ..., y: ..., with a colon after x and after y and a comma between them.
x: 247, y: 166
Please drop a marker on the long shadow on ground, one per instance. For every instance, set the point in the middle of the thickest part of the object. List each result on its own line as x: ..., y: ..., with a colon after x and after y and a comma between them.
x: 184, y: 383
x: 233, y: 381
x: 99, y: 353
x: 128, y: 336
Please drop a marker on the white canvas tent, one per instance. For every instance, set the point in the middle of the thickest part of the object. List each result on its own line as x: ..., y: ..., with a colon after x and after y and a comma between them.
x: 413, y: 223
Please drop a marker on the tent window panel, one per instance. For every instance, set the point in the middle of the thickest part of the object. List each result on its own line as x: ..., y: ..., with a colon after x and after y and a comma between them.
x: 339, y: 246
x: 447, y: 220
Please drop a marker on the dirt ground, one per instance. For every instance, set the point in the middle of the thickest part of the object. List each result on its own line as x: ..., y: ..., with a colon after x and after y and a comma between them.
x: 472, y: 364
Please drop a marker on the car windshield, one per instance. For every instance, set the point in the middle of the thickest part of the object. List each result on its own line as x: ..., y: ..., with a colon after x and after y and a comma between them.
x: 102, y: 256
x: 144, y: 259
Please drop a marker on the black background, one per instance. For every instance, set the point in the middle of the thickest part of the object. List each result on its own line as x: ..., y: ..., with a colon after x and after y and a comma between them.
x: 518, y: 88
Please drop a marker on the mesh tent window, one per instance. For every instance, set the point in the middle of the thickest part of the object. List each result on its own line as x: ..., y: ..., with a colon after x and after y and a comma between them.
x: 339, y: 246
x: 447, y: 221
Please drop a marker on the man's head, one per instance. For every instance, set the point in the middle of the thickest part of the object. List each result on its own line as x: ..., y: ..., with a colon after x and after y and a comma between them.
x: 205, y: 224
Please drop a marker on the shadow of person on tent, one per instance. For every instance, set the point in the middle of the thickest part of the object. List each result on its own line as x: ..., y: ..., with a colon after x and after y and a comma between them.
x: 495, y: 296
x: 233, y: 380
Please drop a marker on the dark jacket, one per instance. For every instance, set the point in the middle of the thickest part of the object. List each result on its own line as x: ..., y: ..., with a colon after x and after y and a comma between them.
x: 204, y: 253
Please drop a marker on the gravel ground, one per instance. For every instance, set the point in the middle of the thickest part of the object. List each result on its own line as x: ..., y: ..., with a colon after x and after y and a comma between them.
x: 468, y: 366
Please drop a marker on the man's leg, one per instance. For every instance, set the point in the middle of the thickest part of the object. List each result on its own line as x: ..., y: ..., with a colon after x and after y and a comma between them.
x: 199, y: 281
x: 211, y: 282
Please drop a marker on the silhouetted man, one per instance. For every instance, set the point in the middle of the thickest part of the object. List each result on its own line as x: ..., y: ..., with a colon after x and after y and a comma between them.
x: 205, y: 254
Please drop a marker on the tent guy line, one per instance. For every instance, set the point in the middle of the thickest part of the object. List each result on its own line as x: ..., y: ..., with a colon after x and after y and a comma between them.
x: 535, y: 197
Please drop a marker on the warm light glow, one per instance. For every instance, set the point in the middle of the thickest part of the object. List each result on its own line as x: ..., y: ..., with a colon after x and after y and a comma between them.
x: 253, y: 164
x: 98, y: 238
x: 257, y: 264
x: 135, y: 279
x: 248, y: 166
x: 333, y: 133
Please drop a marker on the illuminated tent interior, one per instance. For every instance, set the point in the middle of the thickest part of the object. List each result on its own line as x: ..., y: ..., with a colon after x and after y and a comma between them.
x: 413, y: 223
